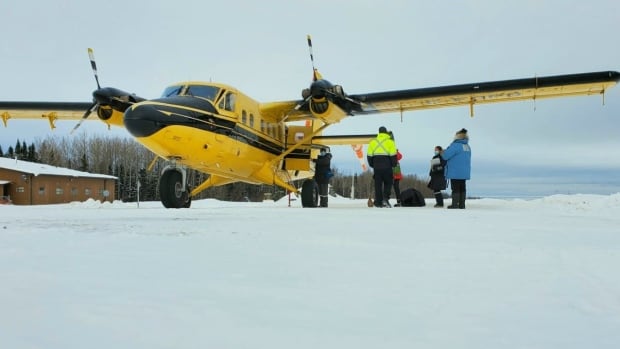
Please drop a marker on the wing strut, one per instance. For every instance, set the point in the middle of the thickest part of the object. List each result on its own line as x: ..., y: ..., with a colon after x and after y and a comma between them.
x: 5, y: 118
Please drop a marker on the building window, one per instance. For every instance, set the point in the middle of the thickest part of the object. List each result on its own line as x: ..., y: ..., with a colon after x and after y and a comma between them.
x: 251, y: 120
x: 87, y: 192
x: 59, y: 191
x: 20, y: 189
x: 74, y: 192
x: 41, y: 190
x: 244, y: 117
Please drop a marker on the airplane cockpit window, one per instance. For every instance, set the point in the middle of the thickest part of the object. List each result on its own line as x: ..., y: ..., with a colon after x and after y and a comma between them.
x: 172, y: 91
x: 207, y: 92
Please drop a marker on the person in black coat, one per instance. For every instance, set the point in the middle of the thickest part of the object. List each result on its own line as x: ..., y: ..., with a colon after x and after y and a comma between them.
x: 322, y: 174
x: 438, y: 179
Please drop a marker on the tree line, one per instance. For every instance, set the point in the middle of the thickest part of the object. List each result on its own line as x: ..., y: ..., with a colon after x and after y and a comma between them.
x: 129, y: 162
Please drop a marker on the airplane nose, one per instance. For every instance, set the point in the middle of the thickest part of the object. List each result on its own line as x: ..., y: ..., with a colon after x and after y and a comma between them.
x: 142, y: 120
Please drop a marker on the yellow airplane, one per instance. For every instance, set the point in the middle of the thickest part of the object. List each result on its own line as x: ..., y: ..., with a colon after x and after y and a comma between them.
x: 216, y: 129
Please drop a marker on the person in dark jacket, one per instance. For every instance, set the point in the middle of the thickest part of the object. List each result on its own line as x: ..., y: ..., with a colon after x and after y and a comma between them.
x: 458, y: 167
x: 438, y: 178
x: 398, y: 175
x: 381, y: 156
x: 322, y: 174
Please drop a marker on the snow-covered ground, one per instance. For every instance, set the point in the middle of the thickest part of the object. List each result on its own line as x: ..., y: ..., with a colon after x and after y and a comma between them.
x: 537, y: 273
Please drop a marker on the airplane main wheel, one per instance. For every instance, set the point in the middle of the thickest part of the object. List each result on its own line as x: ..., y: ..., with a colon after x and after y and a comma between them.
x: 309, y: 193
x: 171, y: 190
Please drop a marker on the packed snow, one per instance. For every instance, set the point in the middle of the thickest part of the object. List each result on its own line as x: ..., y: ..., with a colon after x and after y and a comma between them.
x: 503, y: 273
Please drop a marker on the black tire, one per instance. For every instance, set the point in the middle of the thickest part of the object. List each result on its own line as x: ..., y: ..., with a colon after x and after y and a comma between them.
x: 309, y: 193
x: 170, y: 190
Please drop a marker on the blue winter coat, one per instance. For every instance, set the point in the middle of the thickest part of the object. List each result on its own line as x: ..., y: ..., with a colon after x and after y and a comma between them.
x: 458, y: 156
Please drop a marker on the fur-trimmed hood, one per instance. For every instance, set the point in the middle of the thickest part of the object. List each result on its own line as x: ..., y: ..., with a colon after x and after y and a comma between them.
x: 461, y: 134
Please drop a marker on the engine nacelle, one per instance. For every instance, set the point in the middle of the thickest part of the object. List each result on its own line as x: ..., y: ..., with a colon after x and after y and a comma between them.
x: 113, y: 103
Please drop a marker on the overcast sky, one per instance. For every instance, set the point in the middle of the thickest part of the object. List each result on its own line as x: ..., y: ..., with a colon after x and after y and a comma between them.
x: 365, y: 46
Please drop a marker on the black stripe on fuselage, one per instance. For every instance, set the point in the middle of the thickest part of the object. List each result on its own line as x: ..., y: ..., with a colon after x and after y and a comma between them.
x: 147, y: 118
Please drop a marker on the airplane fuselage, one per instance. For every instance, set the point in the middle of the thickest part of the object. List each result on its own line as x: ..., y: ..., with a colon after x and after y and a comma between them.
x: 215, y: 129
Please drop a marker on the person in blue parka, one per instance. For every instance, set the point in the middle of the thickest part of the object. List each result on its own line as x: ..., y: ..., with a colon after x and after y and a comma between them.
x: 458, y: 167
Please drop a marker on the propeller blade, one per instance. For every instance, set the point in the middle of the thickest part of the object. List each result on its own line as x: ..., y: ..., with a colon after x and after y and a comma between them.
x: 302, y: 103
x: 91, y: 55
x: 85, y: 116
x: 315, y: 73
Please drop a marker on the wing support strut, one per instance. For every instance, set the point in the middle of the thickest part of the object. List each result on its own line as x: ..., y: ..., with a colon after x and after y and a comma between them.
x: 51, y: 117
x: 5, y: 118
x: 535, y: 89
x: 302, y: 142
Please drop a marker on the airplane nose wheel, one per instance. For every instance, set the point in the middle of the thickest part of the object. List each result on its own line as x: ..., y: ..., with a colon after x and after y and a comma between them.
x: 171, y: 190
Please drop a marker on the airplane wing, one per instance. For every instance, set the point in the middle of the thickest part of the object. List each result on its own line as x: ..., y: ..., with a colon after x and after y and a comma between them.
x: 33, y: 110
x: 51, y: 110
x: 455, y: 95
x: 486, y: 92
x: 284, y: 111
x: 343, y: 139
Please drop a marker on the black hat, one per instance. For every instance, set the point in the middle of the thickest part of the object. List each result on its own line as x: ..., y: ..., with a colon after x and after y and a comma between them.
x: 382, y: 129
x: 461, y: 131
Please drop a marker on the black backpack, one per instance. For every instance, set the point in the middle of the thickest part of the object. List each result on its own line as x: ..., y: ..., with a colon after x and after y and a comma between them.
x: 412, y: 198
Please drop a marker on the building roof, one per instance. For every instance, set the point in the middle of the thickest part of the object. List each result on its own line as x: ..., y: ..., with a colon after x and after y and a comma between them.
x: 37, y: 169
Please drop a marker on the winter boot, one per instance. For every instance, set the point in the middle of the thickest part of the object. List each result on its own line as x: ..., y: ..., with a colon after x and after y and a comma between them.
x: 456, y: 199
x: 323, y: 201
x: 438, y: 199
x: 462, y: 200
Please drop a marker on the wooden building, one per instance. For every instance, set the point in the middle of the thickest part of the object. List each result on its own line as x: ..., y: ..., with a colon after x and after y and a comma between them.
x: 30, y: 183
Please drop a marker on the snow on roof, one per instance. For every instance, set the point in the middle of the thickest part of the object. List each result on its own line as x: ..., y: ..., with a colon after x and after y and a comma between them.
x: 42, y: 169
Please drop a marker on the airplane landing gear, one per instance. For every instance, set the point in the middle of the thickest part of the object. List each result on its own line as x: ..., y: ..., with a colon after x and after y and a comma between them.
x: 309, y: 193
x: 173, y: 190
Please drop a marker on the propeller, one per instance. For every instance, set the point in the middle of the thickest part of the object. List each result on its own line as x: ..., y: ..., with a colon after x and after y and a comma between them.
x: 95, y: 105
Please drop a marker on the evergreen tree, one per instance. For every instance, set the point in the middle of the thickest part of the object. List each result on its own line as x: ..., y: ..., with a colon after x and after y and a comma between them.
x: 18, y: 149
x: 32, y: 153
x: 10, y: 153
x: 24, y: 151
x: 1, y: 152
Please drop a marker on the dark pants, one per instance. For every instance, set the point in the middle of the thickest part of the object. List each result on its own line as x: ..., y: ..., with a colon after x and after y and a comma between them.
x: 458, y: 185
x: 323, y: 188
x: 397, y: 190
x: 383, y: 184
x: 459, y: 193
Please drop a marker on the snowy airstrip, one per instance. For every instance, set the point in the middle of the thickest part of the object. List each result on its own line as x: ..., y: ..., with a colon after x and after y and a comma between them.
x: 540, y: 273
